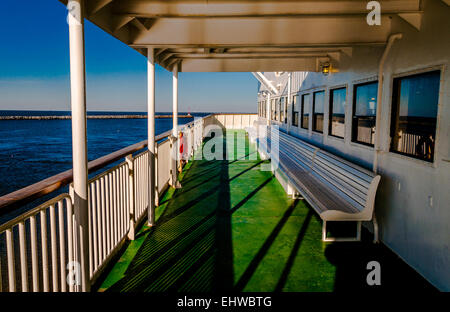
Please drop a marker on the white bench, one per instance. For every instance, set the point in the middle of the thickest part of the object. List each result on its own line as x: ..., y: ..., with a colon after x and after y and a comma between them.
x: 336, y: 189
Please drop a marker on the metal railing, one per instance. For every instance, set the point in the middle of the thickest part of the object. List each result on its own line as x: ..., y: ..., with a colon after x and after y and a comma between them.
x: 42, y: 248
x: 44, y: 237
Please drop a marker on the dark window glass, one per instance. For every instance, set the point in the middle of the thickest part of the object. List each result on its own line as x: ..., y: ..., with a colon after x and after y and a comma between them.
x: 279, y: 109
x: 337, y: 112
x: 364, y: 113
x: 285, y: 109
x: 274, y: 111
x: 305, y: 111
x: 295, y: 110
x: 282, y: 105
x: 318, y: 105
x: 414, y: 115
x: 264, y: 108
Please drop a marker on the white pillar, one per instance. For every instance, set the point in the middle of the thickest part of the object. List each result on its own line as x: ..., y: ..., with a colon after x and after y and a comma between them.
x: 268, y: 109
x: 175, y: 125
x: 175, y: 101
x: 151, y: 134
x: 79, y: 137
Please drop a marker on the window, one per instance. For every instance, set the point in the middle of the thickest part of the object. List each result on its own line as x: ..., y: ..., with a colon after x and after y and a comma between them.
x: 304, y: 123
x: 278, y: 109
x: 318, y: 105
x: 364, y: 113
x: 285, y: 110
x: 295, y: 110
x: 414, y: 114
x: 337, y: 112
x: 274, y: 112
x: 282, y: 106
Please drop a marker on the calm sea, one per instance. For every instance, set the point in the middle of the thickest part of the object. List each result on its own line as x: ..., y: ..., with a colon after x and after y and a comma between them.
x: 32, y: 150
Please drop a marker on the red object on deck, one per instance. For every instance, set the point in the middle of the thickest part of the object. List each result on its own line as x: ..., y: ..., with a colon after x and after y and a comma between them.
x: 181, y: 145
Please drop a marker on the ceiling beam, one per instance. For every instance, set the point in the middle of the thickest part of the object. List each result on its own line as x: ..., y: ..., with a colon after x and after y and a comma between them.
x: 414, y: 19
x: 209, y: 32
x: 245, y: 55
x: 94, y: 6
x: 242, y: 65
x: 118, y: 22
x: 280, y: 8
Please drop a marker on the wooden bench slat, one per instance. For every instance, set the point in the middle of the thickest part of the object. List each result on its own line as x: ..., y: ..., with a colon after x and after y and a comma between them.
x: 319, y: 196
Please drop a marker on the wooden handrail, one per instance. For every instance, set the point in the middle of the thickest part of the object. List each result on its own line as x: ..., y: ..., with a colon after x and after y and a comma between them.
x: 29, y: 193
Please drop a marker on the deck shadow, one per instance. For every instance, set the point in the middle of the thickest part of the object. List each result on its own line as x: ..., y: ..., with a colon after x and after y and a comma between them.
x: 190, y: 247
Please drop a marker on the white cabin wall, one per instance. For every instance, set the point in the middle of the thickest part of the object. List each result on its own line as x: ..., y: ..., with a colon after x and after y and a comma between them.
x: 413, y: 200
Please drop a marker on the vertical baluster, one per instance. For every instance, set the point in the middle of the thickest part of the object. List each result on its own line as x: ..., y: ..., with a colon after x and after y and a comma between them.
x: 139, y: 183
x: 117, y: 210
x: 70, y: 237
x: 54, y: 248
x: 11, y: 262
x: 114, y: 209
x: 108, y: 212
x: 1, y: 277
x: 23, y: 257
x: 102, y: 192
x: 124, y: 184
x: 131, y: 171
x: 143, y: 183
x: 99, y: 223
x: 44, y: 247
x: 124, y: 196
x: 141, y: 201
x: 147, y: 175
x: 126, y: 217
x: 34, y: 254
x: 94, y: 226
x: 140, y: 186
x: 119, y: 205
x: 90, y: 216
x: 62, y: 245
x: 120, y: 190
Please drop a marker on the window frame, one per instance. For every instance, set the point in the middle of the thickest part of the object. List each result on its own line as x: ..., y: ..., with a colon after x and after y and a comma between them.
x: 302, y: 111
x: 394, y: 102
x: 354, y: 123
x: 295, y: 96
x: 282, y: 106
x: 313, y: 113
x: 330, y: 111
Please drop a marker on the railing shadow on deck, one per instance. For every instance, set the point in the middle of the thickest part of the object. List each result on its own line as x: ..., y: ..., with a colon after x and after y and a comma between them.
x: 197, y: 240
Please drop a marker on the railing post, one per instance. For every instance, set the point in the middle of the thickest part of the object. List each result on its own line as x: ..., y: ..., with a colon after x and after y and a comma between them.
x: 132, y: 199
x: 156, y: 176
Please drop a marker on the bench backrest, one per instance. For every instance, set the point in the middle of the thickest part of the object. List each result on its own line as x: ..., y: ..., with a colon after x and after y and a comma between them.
x: 355, y: 184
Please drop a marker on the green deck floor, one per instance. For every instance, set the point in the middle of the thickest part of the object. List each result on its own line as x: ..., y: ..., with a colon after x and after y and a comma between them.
x: 232, y: 227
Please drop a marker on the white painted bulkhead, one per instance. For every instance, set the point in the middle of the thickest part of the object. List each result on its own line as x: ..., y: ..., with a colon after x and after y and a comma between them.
x: 413, y: 200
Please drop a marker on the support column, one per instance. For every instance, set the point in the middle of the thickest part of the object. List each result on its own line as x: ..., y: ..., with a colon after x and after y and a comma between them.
x: 151, y: 135
x: 268, y: 109
x: 79, y: 136
x: 175, y: 124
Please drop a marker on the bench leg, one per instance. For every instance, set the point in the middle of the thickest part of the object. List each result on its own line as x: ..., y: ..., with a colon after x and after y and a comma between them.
x: 375, y: 230
x: 341, y: 239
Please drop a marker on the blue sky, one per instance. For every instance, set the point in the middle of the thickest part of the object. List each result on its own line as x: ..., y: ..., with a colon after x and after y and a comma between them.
x: 34, y: 69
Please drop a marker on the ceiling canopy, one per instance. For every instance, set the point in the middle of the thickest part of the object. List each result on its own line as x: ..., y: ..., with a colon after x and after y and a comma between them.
x: 249, y: 35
